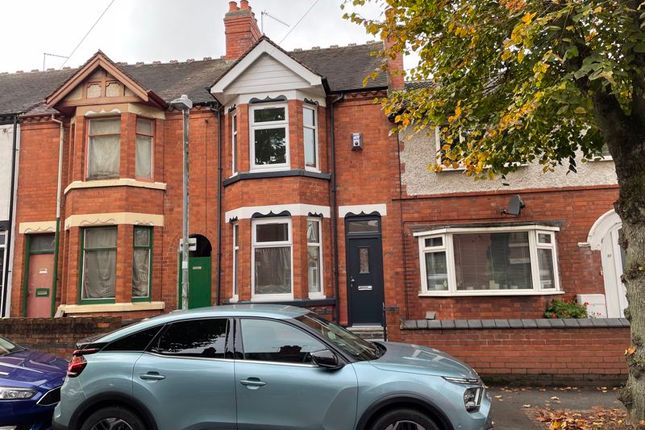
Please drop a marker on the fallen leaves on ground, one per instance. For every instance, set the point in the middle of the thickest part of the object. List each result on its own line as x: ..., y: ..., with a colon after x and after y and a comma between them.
x: 594, y: 419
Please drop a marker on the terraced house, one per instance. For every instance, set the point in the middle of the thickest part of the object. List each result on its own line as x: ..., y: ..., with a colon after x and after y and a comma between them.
x: 299, y: 193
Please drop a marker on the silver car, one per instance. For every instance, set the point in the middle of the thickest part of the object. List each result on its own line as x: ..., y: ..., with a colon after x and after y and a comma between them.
x: 263, y: 367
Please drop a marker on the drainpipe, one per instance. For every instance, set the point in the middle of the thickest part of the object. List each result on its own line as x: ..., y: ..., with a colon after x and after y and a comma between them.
x: 4, y: 311
x: 334, y: 209
x: 220, y: 193
x: 58, y: 206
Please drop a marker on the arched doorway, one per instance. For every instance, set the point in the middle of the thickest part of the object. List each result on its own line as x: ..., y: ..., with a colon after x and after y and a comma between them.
x: 603, y: 237
x: 199, y: 274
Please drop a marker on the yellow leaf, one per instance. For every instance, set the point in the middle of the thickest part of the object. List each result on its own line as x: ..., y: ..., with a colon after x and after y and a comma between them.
x: 580, y: 110
x: 630, y: 351
x: 520, y: 56
x: 527, y: 18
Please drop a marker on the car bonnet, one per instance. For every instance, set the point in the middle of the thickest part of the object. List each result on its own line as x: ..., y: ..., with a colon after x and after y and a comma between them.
x: 32, y: 368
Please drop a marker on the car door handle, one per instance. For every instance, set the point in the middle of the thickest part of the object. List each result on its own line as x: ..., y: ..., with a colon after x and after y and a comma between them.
x: 152, y: 376
x: 253, y: 383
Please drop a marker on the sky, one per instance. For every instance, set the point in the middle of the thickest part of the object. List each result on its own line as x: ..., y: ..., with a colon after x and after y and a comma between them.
x: 157, y: 30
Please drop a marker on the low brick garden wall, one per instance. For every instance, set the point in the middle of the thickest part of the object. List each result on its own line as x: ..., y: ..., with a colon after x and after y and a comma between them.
x: 533, y: 351
x: 55, y: 335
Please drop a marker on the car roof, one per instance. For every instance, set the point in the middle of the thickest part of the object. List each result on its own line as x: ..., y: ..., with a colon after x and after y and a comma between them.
x: 224, y: 311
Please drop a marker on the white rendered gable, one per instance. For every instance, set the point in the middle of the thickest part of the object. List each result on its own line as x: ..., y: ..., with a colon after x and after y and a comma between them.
x: 266, y: 73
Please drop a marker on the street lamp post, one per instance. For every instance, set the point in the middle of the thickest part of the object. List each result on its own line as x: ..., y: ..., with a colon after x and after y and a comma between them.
x: 184, y: 104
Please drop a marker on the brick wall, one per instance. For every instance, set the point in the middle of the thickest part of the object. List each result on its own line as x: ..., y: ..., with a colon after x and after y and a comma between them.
x: 57, y: 336
x: 536, y: 355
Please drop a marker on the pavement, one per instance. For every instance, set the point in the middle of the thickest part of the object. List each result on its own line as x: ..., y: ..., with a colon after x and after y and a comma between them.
x: 512, y: 405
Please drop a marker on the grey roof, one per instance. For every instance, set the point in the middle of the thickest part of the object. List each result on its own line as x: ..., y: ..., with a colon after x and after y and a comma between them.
x: 415, y: 85
x: 344, y: 67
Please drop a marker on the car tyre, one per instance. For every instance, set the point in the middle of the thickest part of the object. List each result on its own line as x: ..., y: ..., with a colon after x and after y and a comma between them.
x: 113, y: 418
x: 403, y: 419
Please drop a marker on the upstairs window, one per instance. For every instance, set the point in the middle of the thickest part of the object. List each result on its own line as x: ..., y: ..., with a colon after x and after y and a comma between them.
x: 103, y: 151
x: 269, y: 131
x: 145, y: 134
x: 310, y: 137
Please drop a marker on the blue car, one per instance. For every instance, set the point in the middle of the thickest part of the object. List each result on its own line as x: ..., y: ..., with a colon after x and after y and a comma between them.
x: 263, y: 367
x: 30, y: 384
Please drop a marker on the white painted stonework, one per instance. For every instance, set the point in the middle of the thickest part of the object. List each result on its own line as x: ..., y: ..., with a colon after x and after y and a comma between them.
x: 6, y: 142
x: 419, y: 179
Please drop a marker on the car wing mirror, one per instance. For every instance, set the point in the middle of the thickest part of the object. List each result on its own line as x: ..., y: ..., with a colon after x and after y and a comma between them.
x: 325, y: 358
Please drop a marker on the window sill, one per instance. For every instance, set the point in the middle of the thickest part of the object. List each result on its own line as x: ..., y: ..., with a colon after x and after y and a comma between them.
x: 272, y: 297
x: 120, y: 182
x: 111, y: 307
x: 275, y: 174
x: 490, y: 293
x: 316, y: 296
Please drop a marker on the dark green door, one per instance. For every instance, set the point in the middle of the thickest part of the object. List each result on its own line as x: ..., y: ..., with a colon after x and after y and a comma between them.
x: 199, y: 277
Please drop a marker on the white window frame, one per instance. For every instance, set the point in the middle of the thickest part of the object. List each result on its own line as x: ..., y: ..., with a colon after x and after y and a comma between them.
x: 447, y: 246
x: 280, y: 244
x: 268, y: 125
x: 234, y: 142
x: 235, y: 248
x: 319, y: 294
x: 315, y: 168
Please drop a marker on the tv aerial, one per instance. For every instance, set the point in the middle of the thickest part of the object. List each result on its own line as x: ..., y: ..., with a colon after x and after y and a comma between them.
x: 266, y: 13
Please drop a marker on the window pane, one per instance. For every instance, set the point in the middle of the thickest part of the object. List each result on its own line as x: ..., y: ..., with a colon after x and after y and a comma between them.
x: 103, y: 156
x: 313, y: 269
x: 202, y: 338
x: 492, y: 261
x: 144, y: 157
x: 41, y: 243
x: 364, y: 260
x: 141, y: 236
x: 434, y: 241
x: 100, y: 237
x: 278, y: 232
x: 313, y: 231
x: 270, y: 146
x: 545, y: 257
x: 310, y: 147
x: 436, y: 271
x: 144, y: 126
x: 269, y: 114
x: 274, y: 341
x: 273, y: 270
x: 544, y: 238
x: 141, y: 272
x: 309, y: 117
x: 134, y: 342
x: 3, y: 237
x: 363, y: 226
x: 105, y: 126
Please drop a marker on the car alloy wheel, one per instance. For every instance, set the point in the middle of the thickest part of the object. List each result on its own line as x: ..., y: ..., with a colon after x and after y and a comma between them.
x: 405, y: 425
x: 112, y: 424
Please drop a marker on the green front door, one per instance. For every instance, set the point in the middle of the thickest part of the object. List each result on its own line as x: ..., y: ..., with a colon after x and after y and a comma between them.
x: 199, y: 277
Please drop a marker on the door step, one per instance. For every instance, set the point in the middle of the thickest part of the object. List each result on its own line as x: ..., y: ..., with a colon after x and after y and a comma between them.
x: 371, y: 332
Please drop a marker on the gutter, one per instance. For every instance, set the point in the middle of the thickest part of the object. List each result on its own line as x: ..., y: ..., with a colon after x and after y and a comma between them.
x: 58, y: 206
x: 333, y: 204
x: 5, y: 282
x: 220, y: 196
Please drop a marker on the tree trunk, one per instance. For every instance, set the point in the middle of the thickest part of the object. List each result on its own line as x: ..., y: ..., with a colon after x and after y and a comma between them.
x: 626, y: 140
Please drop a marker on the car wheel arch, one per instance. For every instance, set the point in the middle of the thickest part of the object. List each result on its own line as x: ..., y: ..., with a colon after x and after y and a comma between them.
x: 92, y: 404
x: 404, y: 401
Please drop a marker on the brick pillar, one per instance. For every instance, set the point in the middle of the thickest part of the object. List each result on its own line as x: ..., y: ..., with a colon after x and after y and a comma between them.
x: 241, y: 29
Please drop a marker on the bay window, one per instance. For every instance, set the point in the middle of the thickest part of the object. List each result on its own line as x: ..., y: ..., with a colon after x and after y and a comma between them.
x: 314, y: 258
x: 270, y: 137
x: 103, y: 150
x: 488, y: 261
x: 144, y: 140
x: 272, y: 257
x: 310, y: 137
x: 98, y: 280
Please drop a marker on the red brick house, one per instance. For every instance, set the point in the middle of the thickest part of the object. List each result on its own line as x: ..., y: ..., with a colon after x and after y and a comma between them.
x: 299, y: 193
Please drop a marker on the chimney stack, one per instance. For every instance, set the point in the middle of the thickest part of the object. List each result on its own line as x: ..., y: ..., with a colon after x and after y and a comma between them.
x: 241, y: 29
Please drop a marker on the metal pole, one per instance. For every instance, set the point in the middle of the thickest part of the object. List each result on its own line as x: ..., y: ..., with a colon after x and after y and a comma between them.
x: 185, y: 245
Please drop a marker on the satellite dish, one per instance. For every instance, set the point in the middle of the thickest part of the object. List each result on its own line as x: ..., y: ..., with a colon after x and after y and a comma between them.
x: 515, y: 206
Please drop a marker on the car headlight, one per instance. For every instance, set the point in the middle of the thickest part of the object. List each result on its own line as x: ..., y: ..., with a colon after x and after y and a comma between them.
x: 11, y: 393
x: 472, y: 395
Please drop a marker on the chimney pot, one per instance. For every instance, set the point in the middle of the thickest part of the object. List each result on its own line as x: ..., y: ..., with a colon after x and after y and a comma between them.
x: 244, y: 4
x: 232, y: 6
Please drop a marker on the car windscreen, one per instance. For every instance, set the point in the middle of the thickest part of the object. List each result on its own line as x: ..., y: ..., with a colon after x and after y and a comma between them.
x: 7, y: 347
x: 344, y: 340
